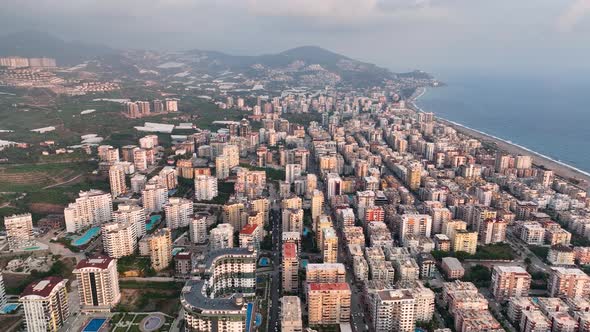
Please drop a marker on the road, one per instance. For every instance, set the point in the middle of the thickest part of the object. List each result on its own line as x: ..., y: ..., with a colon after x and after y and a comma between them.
x: 275, y: 288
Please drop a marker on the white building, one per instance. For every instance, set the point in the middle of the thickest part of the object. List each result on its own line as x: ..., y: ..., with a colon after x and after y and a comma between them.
x: 198, y: 229
x: 131, y: 213
x: 119, y: 239
x: 179, y: 212
x: 416, y: 224
x: 117, y: 180
x: 221, y: 237
x: 98, y: 283
x: 45, y: 303
x: 292, y: 171
x: 92, y: 207
x: 393, y: 310
x: 205, y: 187
x: 154, y: 197
x: 19, y: 231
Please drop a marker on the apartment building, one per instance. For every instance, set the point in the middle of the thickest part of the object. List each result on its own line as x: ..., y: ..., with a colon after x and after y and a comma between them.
x: 98, y: 283
x: 45, y: 304
x: 328, y: 303
x: 19, y: 231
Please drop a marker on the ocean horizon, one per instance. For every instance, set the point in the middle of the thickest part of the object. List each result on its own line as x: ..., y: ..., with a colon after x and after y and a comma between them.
x: 545, y: 113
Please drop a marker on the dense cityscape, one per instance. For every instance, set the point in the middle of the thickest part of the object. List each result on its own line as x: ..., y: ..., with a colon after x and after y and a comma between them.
x: 275, y: 199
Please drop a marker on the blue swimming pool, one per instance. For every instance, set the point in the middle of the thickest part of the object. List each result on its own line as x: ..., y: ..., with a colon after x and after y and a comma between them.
x: 304, y: 263
x: 94, y: 325
x: 154, y: 220
x: 305, y: 231
x: 87, y: 236
x: 9, y: 308
x: 249, y: 312
x: 176, y: 251
x: 264, y: 261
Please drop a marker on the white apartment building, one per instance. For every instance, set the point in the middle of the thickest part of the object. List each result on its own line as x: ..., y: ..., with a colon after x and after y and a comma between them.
x: 154, y: 197
x: 45, y: 303
x: 92, y: 207
x: 117, y: 180
x: 19, y: 231
x: 198, y: 229
x: 291, y: 314
x: 179, y: 212
x: 98, y: 283
x: 221, y: 237
x: 119, y: 239
x: 222, y: 167
x: 415, y: 224
x: 158, y: 246
x: 393, y: 310
x: 205, y: 187
x: 131, y: 213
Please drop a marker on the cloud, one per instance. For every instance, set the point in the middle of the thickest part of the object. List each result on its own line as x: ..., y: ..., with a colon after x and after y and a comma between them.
x: 573, y: 15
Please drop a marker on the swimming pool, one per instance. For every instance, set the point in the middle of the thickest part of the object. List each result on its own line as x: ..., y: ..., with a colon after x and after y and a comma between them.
x: 304, y: 263
x: 10, y: 307
x: 32, y: 248
x: 94, y: 325
x: 154, y: 220
x: 305, y: 231
x: 176, y: 251
x: 86, y: 237
x: 264, y: 261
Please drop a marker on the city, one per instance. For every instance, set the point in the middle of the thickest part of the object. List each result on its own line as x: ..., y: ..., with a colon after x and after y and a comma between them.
x: 299, y: 191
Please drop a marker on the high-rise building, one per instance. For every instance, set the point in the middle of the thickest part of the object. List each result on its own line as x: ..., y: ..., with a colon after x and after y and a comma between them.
x: 205, y: 187
x: 154, y: 197
x: 98, y: 283
x: 3, y: 298
x: 171, y: 104
x: 221, y: 237
x: 292, y: 220
x: 92, y: 207
x: 45, y: 303
x: 415, y: 224
x: 492, y: 231
x: 179, y: 212
x: 140, y: 159
x: 290, y: 268
x: 392, y: 310
x: 108, y: 154
x: 325, y: 273
x: 232, y: 152
x: 568, y: 282
x: 168, y: 177
x: 119, y: 238
x: 198, y: 229
x: 465, y: 241
x: 510, y: 281
x: 333, y: 184
x: 222, y: 167
x: 19, y: 230
x: 291, y: 314
x: 131, y: 213
x: 292, y: 171
x: 329, y: 245
x: 414, y: 176
x: 210, y: 304
x: 317, y: 205
x: 234, y: 214
x: 138, y: 182
x: 159, y: 248
x: 328, y: 303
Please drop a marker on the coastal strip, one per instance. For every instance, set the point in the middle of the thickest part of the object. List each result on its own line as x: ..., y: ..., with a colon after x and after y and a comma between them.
x: 560, y: 169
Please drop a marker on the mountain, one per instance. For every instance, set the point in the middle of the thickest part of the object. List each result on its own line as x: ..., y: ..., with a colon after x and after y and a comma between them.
x: 300, y: 60
x: 41, y: 44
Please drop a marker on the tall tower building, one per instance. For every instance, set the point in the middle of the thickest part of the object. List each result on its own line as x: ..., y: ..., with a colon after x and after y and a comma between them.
x: 198, y: 229
x: 119, y: 239
x: 205, y: 187
x: 328, y: 303
x: 329, y: 245
x: 131, y: 213
x: 98, y: 283
x: 290, y: 268
x: 222, y: 167
x: 393, y: 310
x: 317, y: 205
x: 154, y: 197
x: 179, y: 212
x: 45, y: 303
x: 19, y: 231
x: 159, y: 247
x: 415, y: 224
x: 92, y: 207
x: 221, y: 237
x: 117, y: 180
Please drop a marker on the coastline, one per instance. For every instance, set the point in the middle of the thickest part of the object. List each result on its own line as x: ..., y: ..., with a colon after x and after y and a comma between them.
x: 560, y: 168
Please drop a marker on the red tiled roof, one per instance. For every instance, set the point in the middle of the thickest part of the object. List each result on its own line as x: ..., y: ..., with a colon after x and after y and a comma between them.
x: 42, y: 287
x: 249, y: 229
x: 319, y: 286
x: 100, y: 262
x: 183, y: 255
x: 289, y: 250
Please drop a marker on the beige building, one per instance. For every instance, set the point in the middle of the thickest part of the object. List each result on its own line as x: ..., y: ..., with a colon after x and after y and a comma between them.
x: 325, y: 273
x: 117, y: 180
x: 568, y: 282
x: 465, y: 241
x: 179, y: 212
x: 19, y: 231
x: 452, y: 268
x: 290, y: 268
x: 317, y: 205
x: 328, y: 303
x: 92, y: 207
x: 329, y: 245
x: 119, y: 238
x: 222, y: 167
x: 492, y: 231
x: 510, y: 281
x: 291, y: 314
x: 154, y: 197
x: 561, y: 255
x: 131, y: 213
x: 45, y: 304
x: 158, y: 246
x: 98, y: 283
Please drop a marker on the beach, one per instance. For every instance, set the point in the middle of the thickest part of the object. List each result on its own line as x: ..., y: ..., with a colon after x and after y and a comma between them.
x: 559, y: 168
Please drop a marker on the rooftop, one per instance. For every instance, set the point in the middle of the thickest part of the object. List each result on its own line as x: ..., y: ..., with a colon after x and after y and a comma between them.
x: 335, y: 286
x: 42, y: 287
x: 289, y: 250
x: 99, y: 262
x: 249, y: 229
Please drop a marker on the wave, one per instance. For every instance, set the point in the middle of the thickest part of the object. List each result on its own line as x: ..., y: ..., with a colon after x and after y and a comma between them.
x: 557, y: 161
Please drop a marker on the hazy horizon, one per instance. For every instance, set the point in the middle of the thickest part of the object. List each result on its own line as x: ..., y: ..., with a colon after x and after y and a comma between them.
x: 398, y: 34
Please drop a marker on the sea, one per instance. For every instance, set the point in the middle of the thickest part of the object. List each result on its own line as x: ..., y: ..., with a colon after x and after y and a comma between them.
x: 545, y: 111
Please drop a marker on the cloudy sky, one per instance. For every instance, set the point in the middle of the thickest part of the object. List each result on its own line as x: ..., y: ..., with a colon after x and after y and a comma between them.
x: 399, y: 34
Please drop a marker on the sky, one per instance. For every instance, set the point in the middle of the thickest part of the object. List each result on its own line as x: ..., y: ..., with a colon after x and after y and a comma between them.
x: 398, y: 34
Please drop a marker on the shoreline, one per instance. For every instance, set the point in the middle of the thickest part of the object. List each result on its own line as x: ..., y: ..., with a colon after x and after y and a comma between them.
x: 559, y: 168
